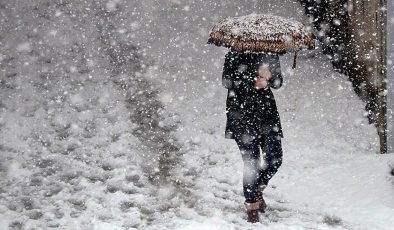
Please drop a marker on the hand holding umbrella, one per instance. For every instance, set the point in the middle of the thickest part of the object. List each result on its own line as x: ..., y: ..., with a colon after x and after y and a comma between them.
x: 263, y: 77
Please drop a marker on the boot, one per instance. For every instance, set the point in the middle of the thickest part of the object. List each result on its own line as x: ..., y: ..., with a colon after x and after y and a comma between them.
x: 252, y: 212
x: 262, y: 204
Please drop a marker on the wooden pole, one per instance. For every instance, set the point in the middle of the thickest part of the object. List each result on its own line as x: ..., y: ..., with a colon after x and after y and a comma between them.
x: 381, y: 41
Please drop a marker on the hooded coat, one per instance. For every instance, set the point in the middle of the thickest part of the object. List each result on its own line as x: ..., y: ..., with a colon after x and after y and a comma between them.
x: 251, y: 112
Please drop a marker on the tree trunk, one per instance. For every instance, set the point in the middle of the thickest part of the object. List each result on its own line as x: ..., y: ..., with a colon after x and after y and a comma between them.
x: 354, y: 33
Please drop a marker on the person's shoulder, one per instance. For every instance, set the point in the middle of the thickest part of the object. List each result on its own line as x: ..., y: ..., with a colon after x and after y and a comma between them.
x: 232, y: 53
x: 269, y: 54
x: 234, y: 56
x: 272, y: 56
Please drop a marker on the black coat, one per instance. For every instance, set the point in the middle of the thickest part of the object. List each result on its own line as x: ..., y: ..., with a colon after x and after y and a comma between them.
x: 251, y: 112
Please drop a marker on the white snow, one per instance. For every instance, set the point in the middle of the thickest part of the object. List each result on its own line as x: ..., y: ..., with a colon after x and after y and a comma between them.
x: 259, y: 26
x: 24, y: 47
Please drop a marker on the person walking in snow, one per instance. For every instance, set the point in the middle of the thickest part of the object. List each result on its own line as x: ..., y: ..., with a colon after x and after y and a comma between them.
x: 253, y: 120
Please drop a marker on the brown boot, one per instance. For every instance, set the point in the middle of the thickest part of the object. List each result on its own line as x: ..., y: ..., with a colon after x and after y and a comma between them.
x: 262, y: 204
x: 252, y: 212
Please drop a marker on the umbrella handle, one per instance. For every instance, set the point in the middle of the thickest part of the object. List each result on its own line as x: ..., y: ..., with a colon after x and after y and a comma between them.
x: 295, y: 60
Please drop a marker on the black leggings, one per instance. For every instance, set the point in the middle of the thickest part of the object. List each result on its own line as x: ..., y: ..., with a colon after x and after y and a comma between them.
x: 255, y: 174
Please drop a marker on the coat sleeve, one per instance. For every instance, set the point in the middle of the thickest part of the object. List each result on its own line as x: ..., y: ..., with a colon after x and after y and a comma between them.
x: 276, y: 79
x: 228, y: 71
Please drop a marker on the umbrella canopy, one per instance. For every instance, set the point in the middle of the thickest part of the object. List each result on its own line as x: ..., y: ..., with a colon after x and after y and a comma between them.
x: 261, y: 33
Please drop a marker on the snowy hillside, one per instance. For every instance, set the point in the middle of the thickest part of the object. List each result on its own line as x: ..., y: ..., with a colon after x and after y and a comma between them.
x: 112, y: 116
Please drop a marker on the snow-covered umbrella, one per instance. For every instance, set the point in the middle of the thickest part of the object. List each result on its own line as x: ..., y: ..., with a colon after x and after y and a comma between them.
x: 261, y: 33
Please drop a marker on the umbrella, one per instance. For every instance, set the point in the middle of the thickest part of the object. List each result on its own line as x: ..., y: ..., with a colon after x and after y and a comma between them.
x: 262, y: 33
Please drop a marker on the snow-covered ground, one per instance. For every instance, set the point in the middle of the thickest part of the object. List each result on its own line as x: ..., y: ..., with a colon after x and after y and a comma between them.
x: 88, y: 121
